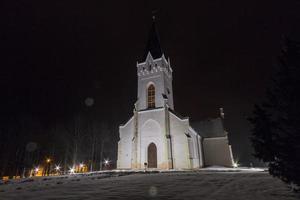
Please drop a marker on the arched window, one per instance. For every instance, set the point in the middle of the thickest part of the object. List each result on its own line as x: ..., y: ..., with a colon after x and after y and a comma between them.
x: 151, y: 96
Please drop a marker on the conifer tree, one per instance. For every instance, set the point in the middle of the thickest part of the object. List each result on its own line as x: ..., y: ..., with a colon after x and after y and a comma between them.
x: 276, y: 122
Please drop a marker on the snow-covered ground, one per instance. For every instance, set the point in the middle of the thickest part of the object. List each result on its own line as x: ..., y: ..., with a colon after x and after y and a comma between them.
x: 213, y: 183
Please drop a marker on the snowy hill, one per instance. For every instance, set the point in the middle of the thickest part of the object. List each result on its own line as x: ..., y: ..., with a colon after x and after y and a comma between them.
x: 204, y: 184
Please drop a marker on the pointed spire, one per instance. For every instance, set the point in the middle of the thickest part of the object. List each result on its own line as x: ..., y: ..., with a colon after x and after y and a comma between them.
x: 153, y: 44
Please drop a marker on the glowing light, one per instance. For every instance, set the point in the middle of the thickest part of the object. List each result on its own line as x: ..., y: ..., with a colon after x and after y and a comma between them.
x: 72, y: 170
x: 81, y: 165
x: 106, y: 162
x: 48, y: 160
x: 235, y: 164
x: 36, y: 169
x: 57, y: 167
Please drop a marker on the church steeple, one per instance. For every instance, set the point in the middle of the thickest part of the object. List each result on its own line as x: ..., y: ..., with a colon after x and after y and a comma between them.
x: 153, y: 44
x: 154, y: 76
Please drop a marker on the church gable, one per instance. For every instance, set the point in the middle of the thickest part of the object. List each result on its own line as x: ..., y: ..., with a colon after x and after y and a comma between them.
x: 151, y: 128
x: 126, y: 130
x: 125, y: 145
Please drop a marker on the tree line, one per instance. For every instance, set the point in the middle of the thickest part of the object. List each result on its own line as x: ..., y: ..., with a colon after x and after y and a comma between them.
x: 25, y: 142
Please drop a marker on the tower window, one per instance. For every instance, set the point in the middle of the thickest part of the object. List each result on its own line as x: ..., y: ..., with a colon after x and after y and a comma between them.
x: 151, y: 96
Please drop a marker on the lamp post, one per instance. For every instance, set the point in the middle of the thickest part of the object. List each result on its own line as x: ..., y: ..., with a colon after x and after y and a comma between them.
x: 48, y: 162
x: 36, y: 171
x: 235, y: 164
x: 57, y: 169
x: 106, y: 163
x: 72, y: 170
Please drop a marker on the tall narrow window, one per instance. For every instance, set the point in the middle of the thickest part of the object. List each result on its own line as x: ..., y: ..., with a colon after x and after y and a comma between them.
x: 151, y: 96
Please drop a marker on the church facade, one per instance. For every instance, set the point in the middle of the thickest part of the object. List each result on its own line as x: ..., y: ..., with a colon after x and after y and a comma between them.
x: 155, y: 136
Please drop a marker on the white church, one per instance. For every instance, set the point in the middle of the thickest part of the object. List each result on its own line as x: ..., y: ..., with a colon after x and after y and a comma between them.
x: 155, y: 137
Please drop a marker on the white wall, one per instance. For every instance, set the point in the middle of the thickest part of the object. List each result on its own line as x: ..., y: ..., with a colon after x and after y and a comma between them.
x: 197, y: 159
x: 125, y: 145
x: 178, y: 128
x: 217, y: 152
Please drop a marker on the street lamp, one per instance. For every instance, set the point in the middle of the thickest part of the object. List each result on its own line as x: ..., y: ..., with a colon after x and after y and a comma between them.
x: 106, y: 162
x: 35, y: 171
x: 235, y: 164
x: 48, y: 160
x: 72, y: 170
x: 57, y: 168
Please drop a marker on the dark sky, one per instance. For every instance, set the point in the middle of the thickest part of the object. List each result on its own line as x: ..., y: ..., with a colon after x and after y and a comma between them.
x: 55, y: 54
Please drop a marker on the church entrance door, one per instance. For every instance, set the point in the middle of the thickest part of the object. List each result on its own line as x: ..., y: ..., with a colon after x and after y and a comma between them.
x: 152, y: 156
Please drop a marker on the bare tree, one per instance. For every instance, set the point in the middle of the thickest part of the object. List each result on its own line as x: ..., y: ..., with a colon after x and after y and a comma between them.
x: 98, y: 136
x: 76, y: 133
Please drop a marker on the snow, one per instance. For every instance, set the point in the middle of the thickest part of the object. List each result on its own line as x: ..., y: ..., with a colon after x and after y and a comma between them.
x: 238, y: 169
x: 210, y: 183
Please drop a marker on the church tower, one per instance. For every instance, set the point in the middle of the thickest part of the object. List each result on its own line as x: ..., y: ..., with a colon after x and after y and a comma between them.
x: 154, y: 75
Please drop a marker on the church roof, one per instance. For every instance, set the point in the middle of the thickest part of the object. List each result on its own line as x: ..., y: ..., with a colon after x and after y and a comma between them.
x: 209, y: 128
x: 153, y: 43
x: 177, y: 114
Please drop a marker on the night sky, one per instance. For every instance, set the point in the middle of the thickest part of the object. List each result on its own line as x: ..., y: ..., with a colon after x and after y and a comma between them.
x: 55, y: 54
